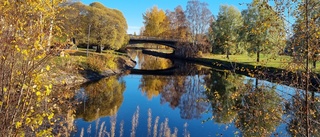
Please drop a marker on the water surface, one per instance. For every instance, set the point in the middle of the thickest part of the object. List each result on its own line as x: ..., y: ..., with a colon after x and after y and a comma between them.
x: 190, y: 100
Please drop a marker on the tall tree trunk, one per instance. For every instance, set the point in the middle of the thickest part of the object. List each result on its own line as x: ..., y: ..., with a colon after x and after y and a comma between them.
x: 314, y: 60
x: 50, y: 33
x: 228, y: 54
x: 88, y: 39
x: 257, y: 83
x: 307, y: 69
x: 99, y: 49
x: 51, y: 27
x: 258, y: 53
x: 314, y: 64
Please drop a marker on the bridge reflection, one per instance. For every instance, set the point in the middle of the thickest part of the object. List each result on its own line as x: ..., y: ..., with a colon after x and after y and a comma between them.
x: 178, y: 68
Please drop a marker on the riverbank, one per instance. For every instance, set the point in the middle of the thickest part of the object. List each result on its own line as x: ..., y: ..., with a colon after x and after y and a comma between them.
x: 73, y: 67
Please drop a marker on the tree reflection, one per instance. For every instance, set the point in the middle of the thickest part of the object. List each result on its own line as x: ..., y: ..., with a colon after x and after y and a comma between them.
x: 224, y: 93
x: 103, y: 98
x: 152, y: 63
x: 152, y: 85
x: 184, y: 90
x: 174, y: 90
x: 297, y: 114
x: 191, y: 105
x: 255, y: 109
x: 260, y: 112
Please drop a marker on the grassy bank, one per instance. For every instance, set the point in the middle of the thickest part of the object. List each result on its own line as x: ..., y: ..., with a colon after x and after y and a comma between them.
x: 74, y: 66
x: 266, y: 60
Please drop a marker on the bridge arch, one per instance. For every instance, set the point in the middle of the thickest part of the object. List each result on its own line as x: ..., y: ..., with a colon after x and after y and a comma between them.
x: 141, y: 40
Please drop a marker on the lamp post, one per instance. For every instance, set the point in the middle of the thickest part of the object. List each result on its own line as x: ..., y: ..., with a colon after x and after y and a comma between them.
x: 88, y: 39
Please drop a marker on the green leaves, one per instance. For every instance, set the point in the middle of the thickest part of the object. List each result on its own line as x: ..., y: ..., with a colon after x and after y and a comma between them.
x: 224, y: 32
x: 265, y: 30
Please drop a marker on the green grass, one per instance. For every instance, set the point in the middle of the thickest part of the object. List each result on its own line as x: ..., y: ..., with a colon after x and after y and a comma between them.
x: 266, y: 60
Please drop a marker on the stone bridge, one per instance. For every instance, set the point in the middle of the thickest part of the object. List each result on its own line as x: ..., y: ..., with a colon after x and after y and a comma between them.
x: 162, y: 41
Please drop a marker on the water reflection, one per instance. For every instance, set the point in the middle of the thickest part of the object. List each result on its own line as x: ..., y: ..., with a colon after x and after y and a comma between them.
x: 296, y: 110
x: 184, y: 92
x: 224, y: 91
x: 260, y: 112
x: 255, y: 109
x: 149, y: 62
x: 238, y: 102
x: 103, y: 98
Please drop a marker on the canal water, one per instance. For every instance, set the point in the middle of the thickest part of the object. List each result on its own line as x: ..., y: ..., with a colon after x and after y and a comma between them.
x: 183, y: 99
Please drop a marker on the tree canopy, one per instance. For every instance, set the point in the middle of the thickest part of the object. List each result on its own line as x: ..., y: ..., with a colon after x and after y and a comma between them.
x: 108, y: 27
x: 156, y: 23
x: 199, y: 18
x: 264, y: 29
x: 224, y: 32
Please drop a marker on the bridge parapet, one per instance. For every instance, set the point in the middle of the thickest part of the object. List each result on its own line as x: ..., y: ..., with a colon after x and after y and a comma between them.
x: 183, y: 46
x: 153, y: 38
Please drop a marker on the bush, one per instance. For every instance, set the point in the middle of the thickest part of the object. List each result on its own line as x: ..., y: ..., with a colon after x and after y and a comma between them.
x: 101, y: 63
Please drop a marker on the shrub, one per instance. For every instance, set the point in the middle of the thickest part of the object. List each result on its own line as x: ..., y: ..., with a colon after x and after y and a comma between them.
x: 101, y: 63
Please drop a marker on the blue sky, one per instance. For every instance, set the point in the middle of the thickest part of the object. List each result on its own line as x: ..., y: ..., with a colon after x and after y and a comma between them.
x: 133, y: 9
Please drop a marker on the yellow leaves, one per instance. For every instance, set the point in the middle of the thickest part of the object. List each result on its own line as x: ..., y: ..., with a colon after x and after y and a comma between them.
x: 28, y: 120
x: 251, y: 74
x: 6, y: 3
x: 37, y: 45
x: 24, y: 86
x: 47, y: 67
x: 18, y: 124
x: 38, y: 93
x: 17, y: 48
x: 38, y: 120
x: 4, y: 89
x: 48, y: 90
x: 50, y: 116
x: 24, y: 52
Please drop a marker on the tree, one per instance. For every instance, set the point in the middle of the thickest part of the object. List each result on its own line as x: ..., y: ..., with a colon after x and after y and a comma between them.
x: 224, y: 32
x: 178, y: 23
x: 199, y: 18
x: 265, y: 29
x: 27, y: 36
x: 298, y: 40
x: 156, y: 23
x: 72, y: 19
x: 108, y: 27
x: 304, y: 46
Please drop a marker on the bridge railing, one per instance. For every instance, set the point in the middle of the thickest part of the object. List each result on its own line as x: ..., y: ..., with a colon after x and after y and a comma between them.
x: 138, y: 37
x: 153, y: 38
